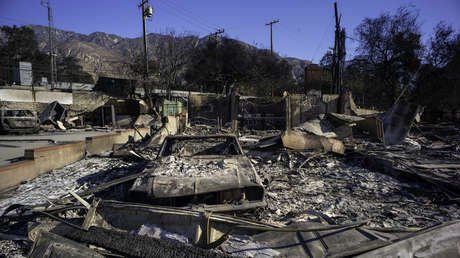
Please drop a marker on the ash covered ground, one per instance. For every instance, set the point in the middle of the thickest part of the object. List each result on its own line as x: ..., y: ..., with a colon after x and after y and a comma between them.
x: 189, y: 167
x: 75, y: 177
x: 345, y: 192
x: 325, y: 183
x: 57, y: 183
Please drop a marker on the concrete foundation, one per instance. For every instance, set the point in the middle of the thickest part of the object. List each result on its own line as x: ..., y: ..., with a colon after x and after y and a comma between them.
x: 49, y: 158
x: 44, y: 159
x: 15, y: 173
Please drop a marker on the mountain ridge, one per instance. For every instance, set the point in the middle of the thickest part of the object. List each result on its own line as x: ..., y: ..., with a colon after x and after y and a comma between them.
x: 100, y: 53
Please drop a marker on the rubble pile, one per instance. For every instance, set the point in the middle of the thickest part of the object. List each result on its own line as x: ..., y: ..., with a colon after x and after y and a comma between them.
x: 201, y: 129
x: 191, y: 167
x: 344, y: 192
x: 282, y: 195
x: 76, y: 177
x: 10, y: 248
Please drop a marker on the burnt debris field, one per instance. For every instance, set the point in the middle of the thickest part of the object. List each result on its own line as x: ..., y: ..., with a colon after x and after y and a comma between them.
x: 197, y: 144
x: 256, y: 184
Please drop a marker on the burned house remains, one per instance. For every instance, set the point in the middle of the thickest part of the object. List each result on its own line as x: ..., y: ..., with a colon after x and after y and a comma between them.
x: 212, y: 147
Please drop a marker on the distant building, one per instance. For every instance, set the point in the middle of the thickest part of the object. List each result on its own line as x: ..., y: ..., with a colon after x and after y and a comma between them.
x: 70, y: 86
x: 22, y: 74
x: 115, y: 87
x: 313, y: 73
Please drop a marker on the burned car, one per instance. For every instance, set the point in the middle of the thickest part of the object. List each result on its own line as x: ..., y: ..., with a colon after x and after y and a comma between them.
x: 18, y: 121
x: 203, y: 172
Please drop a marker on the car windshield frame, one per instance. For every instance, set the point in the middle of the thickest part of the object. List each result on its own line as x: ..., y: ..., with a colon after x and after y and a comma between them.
x: 17, y: 113
x: 229, y: 146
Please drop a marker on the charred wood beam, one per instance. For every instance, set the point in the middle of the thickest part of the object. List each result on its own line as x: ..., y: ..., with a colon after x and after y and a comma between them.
x: 136, y: 245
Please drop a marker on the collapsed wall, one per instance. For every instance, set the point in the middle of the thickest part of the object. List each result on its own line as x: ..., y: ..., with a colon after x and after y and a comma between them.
x: 206, y: 107
x: 260, y: 113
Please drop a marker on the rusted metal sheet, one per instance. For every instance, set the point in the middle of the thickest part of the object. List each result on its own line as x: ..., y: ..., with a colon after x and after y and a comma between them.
x: 372, y: 124
x: 392, y: 127
x: 398, y: 121
x: 439, y: 241
x: 304, y: 141
x: 53, y: 112
x: 124, y: 229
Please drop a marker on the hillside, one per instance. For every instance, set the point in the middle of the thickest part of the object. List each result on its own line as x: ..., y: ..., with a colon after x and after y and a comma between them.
x: 100, y: 53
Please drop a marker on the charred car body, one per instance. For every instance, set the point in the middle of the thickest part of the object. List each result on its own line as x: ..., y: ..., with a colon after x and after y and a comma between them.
x: 208, y: 172
x: 18, y: 121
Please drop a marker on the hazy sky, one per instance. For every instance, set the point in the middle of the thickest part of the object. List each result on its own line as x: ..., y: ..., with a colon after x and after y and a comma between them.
x: 305, y: 30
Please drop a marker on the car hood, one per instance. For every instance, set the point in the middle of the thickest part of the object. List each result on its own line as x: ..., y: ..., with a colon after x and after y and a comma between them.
x: 175, y: 177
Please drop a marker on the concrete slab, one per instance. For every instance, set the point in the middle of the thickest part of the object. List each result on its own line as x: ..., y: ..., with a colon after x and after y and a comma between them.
x: 12, y: 146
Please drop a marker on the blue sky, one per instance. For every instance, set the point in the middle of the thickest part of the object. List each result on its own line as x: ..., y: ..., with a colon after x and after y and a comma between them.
x: 305, y: 29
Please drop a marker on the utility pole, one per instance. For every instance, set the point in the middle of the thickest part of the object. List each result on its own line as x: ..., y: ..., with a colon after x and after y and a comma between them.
x: 271, y: 33
x: 216, y: 34
x: 147, y: 11
x: 53, y: 69
x: 338, y: 56
x: 271, y: 44
x: 210, y: 36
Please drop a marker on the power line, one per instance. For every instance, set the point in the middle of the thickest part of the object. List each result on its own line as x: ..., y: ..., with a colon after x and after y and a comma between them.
x: 243, y: 26
x: 184, y: 17
x: 180, y: 16
x: 190, y: 14
x: 287, y: 33
x: 348, y: 37
x: 185, y: 14
x: 216, y: 34
x: 295, y: 39
x: 322, y: 38
x: 13, y: 20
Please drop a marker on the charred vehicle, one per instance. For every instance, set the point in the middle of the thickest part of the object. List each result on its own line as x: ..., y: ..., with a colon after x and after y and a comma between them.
x: 208, y: 172
x: 18, y: 121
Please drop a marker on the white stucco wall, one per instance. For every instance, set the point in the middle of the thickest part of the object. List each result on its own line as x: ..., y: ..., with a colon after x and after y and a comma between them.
x: 19, y: 95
